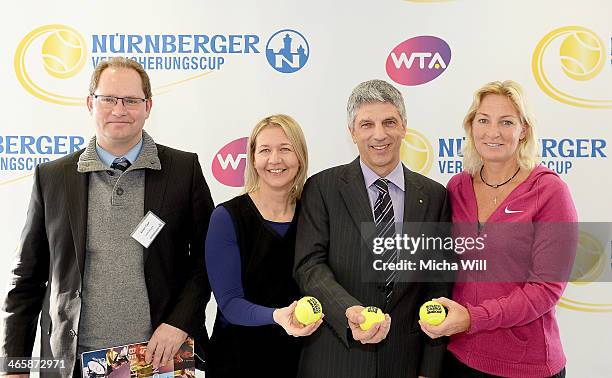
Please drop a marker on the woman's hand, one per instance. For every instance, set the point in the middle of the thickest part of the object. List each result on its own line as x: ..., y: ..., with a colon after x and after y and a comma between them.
x: 457, y: 320
x: 285, y: 317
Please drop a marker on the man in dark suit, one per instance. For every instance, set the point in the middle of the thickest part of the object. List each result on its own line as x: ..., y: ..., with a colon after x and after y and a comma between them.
x: 373, y: 189
x: 78, y: 265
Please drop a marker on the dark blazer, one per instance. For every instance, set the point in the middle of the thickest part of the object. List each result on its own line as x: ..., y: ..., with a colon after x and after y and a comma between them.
x: 47, y: 273
x: 328, y: 260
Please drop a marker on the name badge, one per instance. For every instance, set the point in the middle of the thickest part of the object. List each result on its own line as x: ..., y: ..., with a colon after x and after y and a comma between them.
x: 147, y: 229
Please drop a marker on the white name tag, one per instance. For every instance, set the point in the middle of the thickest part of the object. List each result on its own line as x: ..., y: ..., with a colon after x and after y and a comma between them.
x: 147, y: 229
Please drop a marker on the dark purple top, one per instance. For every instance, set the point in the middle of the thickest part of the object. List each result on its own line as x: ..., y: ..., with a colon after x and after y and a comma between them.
x: 225, y: 273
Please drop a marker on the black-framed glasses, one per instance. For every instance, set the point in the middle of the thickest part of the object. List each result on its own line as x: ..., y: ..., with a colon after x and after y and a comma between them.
x: 110, y: 101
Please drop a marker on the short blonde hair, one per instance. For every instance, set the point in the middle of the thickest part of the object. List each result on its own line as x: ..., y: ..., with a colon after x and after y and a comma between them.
x: 527, y: 150
x: 125, y: 63
x: 295, y: 135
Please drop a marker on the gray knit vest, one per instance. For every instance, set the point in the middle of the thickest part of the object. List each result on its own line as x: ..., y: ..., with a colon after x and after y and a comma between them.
x: 115, y: 303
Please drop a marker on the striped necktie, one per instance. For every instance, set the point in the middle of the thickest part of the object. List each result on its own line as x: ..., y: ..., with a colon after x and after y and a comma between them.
x: 384, y: 219
x: 121, y: 164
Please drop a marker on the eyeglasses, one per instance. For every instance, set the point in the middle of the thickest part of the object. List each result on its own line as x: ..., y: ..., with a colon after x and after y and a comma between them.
x: 110, y: 101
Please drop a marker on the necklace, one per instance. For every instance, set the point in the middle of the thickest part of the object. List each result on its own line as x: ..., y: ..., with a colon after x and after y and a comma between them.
x: 495, y: 186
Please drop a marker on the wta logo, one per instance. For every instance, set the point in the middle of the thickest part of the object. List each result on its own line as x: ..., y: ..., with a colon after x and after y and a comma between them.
x: 418, y: 60
x: 229, y: 163
x: 565, y: 60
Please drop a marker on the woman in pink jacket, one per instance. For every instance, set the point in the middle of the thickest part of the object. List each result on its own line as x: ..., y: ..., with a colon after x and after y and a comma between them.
x: 508, y: 327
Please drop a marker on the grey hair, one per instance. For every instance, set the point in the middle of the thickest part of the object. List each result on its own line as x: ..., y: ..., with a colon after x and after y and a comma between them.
x: 374, y: 91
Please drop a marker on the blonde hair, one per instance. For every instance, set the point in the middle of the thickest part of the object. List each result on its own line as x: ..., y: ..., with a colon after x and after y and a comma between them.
x: 527, y: 150
x: 295, y: 135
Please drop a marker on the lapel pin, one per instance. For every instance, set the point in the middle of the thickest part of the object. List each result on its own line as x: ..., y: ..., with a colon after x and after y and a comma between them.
x: 420, y: 201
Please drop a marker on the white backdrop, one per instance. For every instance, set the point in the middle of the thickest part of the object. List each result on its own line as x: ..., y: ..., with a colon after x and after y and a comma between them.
x: 45, y: 76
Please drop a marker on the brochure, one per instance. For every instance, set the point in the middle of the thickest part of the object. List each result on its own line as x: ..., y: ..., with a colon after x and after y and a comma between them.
x: 128, y: 361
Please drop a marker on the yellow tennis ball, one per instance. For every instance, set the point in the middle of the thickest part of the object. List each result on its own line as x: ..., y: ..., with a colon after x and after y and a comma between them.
x: 372, y: 315
x: 63, y: 53
x: 416, y: 152
x: 308, y: 310
x: 581, y: 55
x: 432, y: 312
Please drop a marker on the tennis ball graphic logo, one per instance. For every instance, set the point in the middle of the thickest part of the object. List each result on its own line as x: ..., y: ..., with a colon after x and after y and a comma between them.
x: 63, y: 53
x: 416, y: 152
x: 590, y: 260
x: 61, y: 50
x: 582, y: 55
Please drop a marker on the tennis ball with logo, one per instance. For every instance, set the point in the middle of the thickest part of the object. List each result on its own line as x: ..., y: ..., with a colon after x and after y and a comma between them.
x: 308, y: 310
x: 372, y: 315
x: 432, y: 312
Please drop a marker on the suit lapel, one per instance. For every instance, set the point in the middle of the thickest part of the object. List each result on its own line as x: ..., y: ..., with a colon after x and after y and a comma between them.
x: 77, y: 185
x: 156, y: 182
x: 355, y: 197
x: 415, y: 200
x: 415, y: 206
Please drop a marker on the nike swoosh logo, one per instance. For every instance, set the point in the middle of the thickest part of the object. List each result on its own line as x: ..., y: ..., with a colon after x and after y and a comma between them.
x: 507, y: 211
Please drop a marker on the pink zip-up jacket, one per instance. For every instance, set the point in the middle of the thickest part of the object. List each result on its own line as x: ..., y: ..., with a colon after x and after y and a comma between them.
x: 513, y: 331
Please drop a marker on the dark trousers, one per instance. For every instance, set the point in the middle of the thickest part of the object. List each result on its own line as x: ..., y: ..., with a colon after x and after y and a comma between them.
x: 453, y: 368
x: 77, y: 369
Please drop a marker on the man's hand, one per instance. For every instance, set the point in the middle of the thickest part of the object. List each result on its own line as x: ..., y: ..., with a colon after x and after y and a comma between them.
x: 164, y: 344
x: 457, y: 320
x: 16, y: 375
x: 375, y: 334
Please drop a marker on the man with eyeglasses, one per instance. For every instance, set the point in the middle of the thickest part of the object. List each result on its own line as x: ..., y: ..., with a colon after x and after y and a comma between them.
x: 124, y: 213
